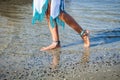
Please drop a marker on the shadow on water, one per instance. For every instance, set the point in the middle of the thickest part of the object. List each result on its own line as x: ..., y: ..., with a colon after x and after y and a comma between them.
x: 100, y: 38
x: 106, y: 37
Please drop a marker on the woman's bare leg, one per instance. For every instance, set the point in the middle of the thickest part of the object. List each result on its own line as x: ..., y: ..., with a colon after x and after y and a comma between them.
x: 73, y: 24
x: 54, y: 33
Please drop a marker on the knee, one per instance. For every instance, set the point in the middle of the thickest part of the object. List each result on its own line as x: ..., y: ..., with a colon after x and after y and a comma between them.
x: 62, y: 14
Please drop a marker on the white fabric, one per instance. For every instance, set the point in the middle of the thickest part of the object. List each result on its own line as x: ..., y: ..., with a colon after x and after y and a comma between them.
x: 55, y: 7
x: 37, y: 5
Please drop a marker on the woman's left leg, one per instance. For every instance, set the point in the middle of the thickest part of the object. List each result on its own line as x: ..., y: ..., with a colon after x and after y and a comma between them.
x: 54, y: 33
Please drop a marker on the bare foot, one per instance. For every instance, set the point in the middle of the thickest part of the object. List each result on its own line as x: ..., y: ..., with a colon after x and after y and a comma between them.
x: 86, y: 39
x: 54, y: 45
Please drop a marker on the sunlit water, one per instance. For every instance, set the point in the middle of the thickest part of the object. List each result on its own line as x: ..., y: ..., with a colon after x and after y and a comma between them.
x: 20, y: 58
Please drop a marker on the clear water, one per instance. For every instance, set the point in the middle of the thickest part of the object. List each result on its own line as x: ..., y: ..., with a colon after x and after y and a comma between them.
x: 20, y: 58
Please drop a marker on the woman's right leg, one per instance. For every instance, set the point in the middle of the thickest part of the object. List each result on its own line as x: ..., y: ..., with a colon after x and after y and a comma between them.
x: 74, y: 25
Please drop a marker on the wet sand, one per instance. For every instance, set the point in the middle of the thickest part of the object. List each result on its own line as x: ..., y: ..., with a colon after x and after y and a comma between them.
x: 20, y: 41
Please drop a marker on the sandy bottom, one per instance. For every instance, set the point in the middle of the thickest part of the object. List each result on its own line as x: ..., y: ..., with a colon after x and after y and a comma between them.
x: 21, y: 58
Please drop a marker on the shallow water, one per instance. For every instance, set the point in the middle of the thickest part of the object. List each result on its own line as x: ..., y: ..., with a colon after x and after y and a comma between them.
x: 20, y: 58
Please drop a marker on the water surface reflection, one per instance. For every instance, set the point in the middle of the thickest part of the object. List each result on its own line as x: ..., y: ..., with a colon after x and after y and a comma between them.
x: 83, y: 59
x: 20, y: 41
x: 55, y: 57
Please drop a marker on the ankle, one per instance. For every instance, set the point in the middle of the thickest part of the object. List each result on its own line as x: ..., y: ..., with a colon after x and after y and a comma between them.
x: 84, y: 33
x: 56, y: 42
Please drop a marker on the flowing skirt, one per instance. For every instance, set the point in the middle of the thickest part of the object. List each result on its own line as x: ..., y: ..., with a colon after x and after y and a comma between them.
x: 40, y: 8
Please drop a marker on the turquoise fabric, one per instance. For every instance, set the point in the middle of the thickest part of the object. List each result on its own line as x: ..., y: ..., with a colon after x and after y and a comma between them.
x: 58, y: 21
x: 40, y: 17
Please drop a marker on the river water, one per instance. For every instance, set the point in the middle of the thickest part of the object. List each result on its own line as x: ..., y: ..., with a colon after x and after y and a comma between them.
x: 20, y: 41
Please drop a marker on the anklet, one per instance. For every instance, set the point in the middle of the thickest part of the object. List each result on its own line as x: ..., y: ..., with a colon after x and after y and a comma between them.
x: 82, y: 33
x: 56, y: 42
